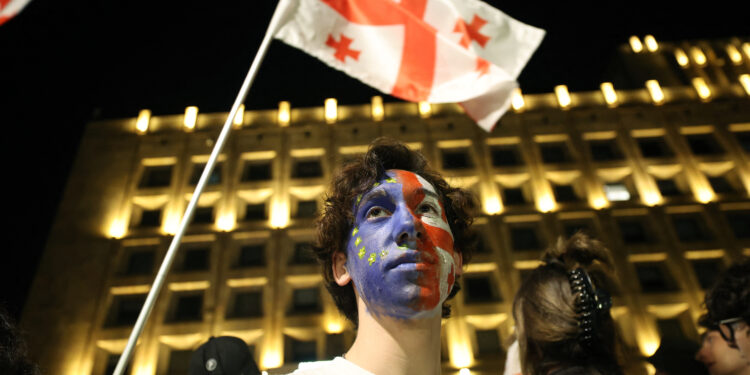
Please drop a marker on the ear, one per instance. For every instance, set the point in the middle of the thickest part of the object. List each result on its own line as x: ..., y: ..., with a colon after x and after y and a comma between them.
x: 340, y: 273
x: 458, y: 260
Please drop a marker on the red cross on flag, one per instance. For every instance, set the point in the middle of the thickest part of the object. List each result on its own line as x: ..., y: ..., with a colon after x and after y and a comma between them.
x: 439, y: 51
x: 9, y: 8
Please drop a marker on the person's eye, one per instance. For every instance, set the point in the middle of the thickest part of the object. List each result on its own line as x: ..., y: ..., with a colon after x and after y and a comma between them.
x: 377, y: 212
x: 426, y: 208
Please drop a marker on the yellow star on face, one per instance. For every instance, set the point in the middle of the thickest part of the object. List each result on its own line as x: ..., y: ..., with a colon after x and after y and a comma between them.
x: 383, y: 254
x: 376, y: 184
x: 371, y: 259
x: 359, y: 197
x: 361, y: 252
x: 355, y: 231
x: 357, y: 241
x: 391, y: 180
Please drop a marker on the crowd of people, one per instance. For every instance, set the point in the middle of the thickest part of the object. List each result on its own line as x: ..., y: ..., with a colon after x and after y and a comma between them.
x: 392, y: 242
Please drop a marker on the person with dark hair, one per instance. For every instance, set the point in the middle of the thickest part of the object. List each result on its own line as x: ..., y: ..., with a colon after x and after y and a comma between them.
x: 562, y: 316
x: 728, y: 304
x: 392, y: 240
x: 225, y: 355
x: 14, y: 359
x: 719, y: 358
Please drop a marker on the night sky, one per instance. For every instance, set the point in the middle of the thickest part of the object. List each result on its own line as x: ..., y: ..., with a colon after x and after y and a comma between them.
x: 64, y: 63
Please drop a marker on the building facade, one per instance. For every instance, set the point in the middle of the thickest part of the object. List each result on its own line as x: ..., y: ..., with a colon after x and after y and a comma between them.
x: 660, y: 174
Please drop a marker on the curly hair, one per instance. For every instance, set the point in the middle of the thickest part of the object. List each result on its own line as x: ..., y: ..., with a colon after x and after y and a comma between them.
x: 730, y: 296
x: 356, y: 177
x: 547, y: 318
x: 14, y: 359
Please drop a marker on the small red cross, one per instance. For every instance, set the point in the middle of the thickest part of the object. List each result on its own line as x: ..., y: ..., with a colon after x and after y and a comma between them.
x: 471, y: 31
x: 342, y: 48
x: 483, y: 66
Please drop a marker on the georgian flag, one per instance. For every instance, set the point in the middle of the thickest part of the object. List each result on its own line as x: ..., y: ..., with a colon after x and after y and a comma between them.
x: 438, y: 51
x: 9, y: 8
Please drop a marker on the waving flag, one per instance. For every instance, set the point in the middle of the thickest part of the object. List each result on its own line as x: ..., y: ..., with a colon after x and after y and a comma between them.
x: 439, y: 51
x: 9, y: 8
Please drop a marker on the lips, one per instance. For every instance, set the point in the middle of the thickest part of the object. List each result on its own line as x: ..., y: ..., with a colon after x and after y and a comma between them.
x: 421, y: 258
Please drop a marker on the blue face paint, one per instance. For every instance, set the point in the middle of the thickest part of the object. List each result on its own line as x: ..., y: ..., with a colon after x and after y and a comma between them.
x: 400, y: 253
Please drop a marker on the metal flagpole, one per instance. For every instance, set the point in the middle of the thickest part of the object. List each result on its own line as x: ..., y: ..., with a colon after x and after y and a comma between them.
x: 172, y: 252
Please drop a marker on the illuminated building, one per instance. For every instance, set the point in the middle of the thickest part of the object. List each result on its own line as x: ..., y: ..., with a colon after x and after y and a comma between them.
x: 665, y: 186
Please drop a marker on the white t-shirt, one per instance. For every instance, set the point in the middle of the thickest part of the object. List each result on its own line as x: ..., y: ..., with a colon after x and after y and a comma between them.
x: 338, y: 365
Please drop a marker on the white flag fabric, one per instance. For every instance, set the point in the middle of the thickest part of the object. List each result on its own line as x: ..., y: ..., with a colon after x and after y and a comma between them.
x: 9, y: 8
x: 439, y: 51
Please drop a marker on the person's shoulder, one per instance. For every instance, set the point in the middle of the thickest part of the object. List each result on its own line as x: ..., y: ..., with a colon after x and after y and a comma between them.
x: 335, y: 366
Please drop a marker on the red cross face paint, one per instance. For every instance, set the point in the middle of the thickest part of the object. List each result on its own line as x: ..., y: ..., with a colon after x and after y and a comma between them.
x: 400, y: 253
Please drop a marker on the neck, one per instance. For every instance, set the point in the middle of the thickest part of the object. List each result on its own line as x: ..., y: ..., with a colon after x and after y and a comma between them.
x: 395, y: 346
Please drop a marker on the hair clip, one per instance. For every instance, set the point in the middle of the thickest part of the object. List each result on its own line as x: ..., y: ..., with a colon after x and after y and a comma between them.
x: 588, y: 305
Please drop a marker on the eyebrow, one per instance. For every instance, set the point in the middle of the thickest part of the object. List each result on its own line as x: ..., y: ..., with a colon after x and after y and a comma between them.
x: 372, y: 194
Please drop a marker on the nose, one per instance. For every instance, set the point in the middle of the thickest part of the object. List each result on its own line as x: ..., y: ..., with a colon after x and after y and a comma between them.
x: 408, y: 229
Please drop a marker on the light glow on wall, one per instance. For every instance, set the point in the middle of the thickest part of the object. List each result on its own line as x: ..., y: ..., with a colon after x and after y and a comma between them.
x: 144, y: 117
x: 546, y: 203
x: 191, y: 116
x: 377, y: 108
x: 681, y: 57
x: 734, y: 54
x: 284, y: 113
x: 334, y: 326
x: 649, y: 345
x: 279, y: 215
x: 464, y: 371
x: 425, y: 109
x: 651, y: 44
x: 746, y: 49
x: 636, y: 44
x: 652, y: 198
x: 657, y: 96
x: 271, y: 359
x: 118, y: 228
x: 517, y: 100
x: 171, y: 224
x: 610, y: 95
x: 705, y: 195
x: 331, y: 110
x: 563, y: 96
x: 492, y: 205
x: 698, y: 56
x: 461, y: 355
x: 599, y: 202
x: 226, y: 222
x: 745, y: 82
x: 701, y: 88
x: 239, y: 117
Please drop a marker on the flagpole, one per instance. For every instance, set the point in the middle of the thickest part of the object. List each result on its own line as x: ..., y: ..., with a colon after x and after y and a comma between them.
x: 220, y: 141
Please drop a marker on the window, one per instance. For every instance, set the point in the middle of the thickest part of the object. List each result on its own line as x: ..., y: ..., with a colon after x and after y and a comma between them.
x: 654, y: 147
x: 112, y: 360
x: 740, y: 224
x: 668, y: 188
x: 335, y: 345
x: 514, y: 196
x: 633, y: 231
x: 456, y: 159
x: 307, y: 169
x: 195, y: 259
x: 214, y: 179
x: 525, y: 238
x: 555, y: 152
x: 654, y: 278
x: 252, y: 256
x: 744, y: 139
x: 140, y: 262
x: 572, y: 227
x: 691, y: 228
x: 670, y: 329
x: 722, y: 185
x: 307, y: 209
x: 179, y: 362
x: 703, y: 144
x: 156, y: 176
x: 246, y: 304
x: 488, y: 343
x: 203, y: 215
x: 706, y: 271
x: 186, y: 308
x: 619, y: 192
x: 124, y: 310
x: 150, y: 218
x: 565, y: 193
x: 605, y: 150
x: 256, y: 171
x: 479, y: 289
x: 299, y: 350
x: 306, y: 300
x: 505, y: 156
x: 481, y: 247
x: 255, y: 212
x: 303, y: 253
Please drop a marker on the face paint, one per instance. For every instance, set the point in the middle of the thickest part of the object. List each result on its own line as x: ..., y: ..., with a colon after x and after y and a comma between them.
x: 400, y: 253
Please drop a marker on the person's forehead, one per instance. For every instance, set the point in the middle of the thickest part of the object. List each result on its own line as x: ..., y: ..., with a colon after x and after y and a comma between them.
x: 400, y: 174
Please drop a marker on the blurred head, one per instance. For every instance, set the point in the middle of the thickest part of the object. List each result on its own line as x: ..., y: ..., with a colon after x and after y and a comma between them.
x: 394, y: 230
x: 719, y: 357
x: 728, y: 304
x: 547, y: 322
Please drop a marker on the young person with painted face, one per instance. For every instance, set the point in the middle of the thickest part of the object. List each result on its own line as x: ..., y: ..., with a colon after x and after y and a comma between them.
x: 392, y: 240
x: 562, y: 316
x: 728, y: 304
x: 719, y: 357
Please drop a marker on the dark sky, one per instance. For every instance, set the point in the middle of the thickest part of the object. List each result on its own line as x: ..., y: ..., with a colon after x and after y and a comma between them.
x: 63, y: 63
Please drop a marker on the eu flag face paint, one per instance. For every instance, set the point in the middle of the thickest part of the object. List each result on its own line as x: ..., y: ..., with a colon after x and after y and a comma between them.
x: 400, y: 253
